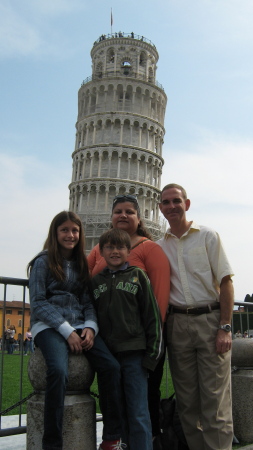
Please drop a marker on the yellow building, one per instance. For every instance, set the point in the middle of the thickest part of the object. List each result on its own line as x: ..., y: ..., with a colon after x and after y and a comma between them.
x: 15, y: 314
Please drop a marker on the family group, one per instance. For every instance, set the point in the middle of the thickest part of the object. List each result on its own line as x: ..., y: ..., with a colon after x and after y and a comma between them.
x: 127, y: 303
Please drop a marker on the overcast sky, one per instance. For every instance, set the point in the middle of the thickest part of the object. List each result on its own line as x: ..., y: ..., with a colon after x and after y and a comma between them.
x: 206, y: 69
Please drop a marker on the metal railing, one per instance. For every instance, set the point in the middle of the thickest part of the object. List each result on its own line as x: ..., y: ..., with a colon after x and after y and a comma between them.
x: 120, y: 34
x: 118, y: 73
x: 242, y: 320
x: 5, y: 281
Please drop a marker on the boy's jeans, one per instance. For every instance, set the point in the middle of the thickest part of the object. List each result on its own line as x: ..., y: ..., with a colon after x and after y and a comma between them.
x: 137, y: 433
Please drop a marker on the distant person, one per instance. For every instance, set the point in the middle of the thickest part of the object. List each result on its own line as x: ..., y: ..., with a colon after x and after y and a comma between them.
x: 238, y: 334
x: 10, y: 341
x: 199, y: 325
x: 245, y: 334
x: 63, y: 320
x: 28, y: 342
x: 129, y: 322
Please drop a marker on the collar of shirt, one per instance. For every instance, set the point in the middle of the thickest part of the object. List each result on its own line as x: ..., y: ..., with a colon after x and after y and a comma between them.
x: 194, y: 227
x: 123, y: 267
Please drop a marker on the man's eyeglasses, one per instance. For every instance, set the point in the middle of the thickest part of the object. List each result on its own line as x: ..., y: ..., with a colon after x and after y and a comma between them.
x: 131, y: 198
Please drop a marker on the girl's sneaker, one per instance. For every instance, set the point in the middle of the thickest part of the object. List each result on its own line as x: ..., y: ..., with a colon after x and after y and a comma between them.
x: 112, y: 445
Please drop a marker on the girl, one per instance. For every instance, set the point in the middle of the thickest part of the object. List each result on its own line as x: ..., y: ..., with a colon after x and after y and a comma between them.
x: 63, y: 319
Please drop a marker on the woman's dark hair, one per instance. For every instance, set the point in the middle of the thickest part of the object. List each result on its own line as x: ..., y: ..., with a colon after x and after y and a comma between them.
x: 141, y: 229
x: 53, y: 249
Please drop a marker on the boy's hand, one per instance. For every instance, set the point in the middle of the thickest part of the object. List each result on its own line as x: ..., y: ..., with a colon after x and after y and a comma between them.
x: 87, y: 337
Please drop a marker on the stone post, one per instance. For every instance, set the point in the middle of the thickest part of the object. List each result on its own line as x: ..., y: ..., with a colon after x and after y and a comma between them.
x: 79, y: 424
x: 242, y: 388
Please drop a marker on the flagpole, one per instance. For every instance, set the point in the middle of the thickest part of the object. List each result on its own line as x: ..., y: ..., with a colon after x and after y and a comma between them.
x: 111, y: 20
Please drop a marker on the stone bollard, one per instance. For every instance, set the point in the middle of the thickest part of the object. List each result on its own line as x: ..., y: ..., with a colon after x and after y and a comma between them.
x: 79, y: 424
x: 242, y: 388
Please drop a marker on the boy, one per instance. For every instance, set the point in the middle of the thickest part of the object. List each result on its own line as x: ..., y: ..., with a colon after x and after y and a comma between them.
x: 129, y: 322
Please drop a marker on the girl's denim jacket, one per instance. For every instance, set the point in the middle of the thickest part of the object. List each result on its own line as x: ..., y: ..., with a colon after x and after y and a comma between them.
x: 62, y: 305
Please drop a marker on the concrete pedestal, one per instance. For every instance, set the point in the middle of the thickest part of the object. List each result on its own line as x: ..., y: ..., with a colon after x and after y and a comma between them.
x: 79, y: 425
x: 242, y: 389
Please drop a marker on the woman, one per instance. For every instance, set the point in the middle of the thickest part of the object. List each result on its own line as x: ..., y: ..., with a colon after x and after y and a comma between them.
x: 147, y: 255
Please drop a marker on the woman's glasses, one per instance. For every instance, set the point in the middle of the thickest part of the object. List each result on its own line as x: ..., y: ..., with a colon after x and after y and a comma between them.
x: 131, y: 198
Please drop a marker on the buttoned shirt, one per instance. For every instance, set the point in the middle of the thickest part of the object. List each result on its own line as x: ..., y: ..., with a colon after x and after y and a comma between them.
x: 198, y: 264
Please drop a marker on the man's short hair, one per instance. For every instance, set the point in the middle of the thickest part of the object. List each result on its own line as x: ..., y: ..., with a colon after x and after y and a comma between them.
x: 115, y: 237
x: 176, y: 186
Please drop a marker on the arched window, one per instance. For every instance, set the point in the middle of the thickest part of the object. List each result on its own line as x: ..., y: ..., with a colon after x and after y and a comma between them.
x: 126, y: 67
x: 99, y: 70
x: 110, y: 55
x: 143, y: 59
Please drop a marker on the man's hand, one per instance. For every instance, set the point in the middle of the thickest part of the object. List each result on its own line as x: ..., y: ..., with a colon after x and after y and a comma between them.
x: 87, y: 338
x: 223, y: 341
x: 75, y: 343
x: 223, y: 338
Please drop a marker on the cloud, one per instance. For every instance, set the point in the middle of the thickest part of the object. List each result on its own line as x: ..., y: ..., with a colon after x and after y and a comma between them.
x: 213, y: 168
x: 29, y: 28
x: 17, y: 35
x: 210, y: 24
x: 57, y: 7
x: 32, y: 193
x: 217, y: 175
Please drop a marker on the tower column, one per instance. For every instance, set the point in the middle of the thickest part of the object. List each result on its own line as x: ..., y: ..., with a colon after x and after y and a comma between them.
x: 91, y: 165
x: 118, y: 170
x: 121, y: 132
x: 99, y: 164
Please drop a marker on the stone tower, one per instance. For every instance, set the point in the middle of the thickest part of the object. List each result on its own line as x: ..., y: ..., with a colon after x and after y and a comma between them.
x: 120, y: 133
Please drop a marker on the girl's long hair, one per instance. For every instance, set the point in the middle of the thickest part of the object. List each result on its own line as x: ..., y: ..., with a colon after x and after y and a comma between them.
x: 51, y: 244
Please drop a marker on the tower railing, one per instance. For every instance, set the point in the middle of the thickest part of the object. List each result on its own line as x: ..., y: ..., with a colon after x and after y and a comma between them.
x: 119, y: 34
x: 118, y: 73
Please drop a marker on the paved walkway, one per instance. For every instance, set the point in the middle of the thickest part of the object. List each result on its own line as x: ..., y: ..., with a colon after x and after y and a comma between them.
x: 18, y: 442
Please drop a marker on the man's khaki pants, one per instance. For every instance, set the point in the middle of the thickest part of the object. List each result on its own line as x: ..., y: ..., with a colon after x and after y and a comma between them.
x: 202, y: 380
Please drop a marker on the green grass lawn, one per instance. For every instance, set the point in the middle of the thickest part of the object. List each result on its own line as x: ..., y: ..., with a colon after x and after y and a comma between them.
x: 11, y: 385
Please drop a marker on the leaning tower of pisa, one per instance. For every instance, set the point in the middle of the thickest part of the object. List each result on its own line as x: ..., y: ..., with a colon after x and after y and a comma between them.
x: 119, y: 133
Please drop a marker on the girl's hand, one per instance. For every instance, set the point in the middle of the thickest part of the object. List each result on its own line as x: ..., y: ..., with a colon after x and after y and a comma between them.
x: 75, y: 343
x: 87, y: 337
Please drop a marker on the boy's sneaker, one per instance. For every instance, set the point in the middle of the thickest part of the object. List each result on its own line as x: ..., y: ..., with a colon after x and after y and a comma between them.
x: 112, y: 445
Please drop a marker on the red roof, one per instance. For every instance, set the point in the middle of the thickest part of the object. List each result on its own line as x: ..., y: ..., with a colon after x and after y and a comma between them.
x: 14, y: 304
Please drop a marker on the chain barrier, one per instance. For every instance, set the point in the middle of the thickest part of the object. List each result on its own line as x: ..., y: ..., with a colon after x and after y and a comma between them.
x: 5, y: 411
x: 94, y: 394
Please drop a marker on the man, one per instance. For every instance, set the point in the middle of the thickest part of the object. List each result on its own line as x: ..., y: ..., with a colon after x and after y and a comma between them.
x: 198, y: 325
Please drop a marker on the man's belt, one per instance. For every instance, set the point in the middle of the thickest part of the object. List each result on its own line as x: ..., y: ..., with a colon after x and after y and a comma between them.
x: 195, y: 311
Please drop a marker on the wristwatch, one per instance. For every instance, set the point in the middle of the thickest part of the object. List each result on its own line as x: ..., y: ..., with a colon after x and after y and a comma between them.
x: 226, y: 327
